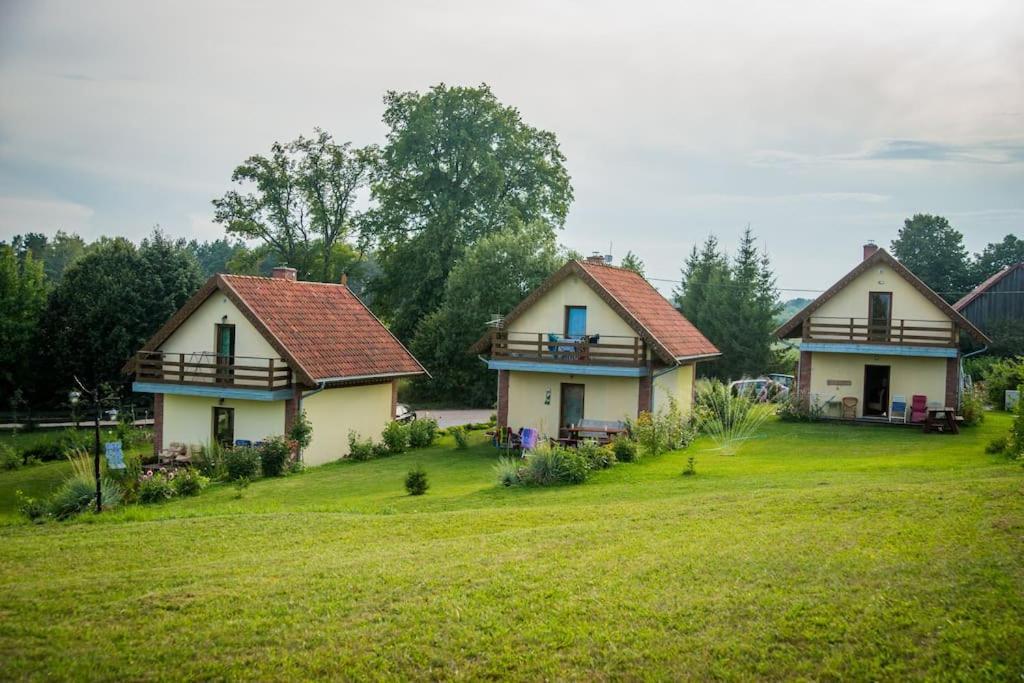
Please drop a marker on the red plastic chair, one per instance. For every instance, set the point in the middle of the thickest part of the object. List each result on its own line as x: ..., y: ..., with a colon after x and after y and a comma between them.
x: 918, y: 408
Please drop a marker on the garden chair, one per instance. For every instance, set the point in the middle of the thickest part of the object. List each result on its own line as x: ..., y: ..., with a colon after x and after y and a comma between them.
x: 849, y: 408
x: 918, y: 408
x: 528, y: 439
x: 899, y: 405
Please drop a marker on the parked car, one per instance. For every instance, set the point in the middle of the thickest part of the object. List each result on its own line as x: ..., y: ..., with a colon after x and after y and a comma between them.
x: 761, y: 389
x: 404, y: 413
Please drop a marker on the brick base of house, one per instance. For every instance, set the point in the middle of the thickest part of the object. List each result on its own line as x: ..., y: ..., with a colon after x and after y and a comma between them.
x: 291, y: 409
x: 952, y: 382
x: 803, y: 387
x: 394, y: 398
x: 158, y: 423
x: 643, y: 402
x: 503, y: 398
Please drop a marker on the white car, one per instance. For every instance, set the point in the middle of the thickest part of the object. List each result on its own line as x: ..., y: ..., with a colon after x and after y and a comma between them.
x: 760, y: 389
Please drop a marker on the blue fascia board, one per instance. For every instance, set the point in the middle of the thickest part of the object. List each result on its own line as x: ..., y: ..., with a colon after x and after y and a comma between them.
x: 567, y: 368
x: 881, y: 349
x: 212, y: 391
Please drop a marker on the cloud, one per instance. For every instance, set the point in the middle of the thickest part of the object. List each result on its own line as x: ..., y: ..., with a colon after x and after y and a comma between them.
x: 714, y: 199
x: 1003, y: 151
x: 20, y: 215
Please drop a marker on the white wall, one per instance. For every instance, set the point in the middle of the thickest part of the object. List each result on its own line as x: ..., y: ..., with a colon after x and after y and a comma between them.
x: 907, y: 302
x: 189, y: 419
x: 908, y: 375
x: 677, y: 384
x: 335, y: 412
x: 547, y: 314
x: 605, y: 398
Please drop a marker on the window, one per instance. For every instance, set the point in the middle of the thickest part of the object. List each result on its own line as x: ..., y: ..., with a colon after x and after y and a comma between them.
x: 225, y: 345
x: 224, y: 425
x: 879, y: 315
x: 575, y: 321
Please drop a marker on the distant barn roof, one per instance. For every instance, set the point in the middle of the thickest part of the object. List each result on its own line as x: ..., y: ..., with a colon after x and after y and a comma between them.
x: 671, y: 336
x: 985, y: 286
x: 323, y: 330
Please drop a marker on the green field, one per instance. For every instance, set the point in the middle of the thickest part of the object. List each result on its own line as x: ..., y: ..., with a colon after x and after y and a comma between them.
x: 819, y: 551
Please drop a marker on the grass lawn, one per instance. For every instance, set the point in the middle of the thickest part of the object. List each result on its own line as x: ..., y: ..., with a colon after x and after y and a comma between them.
x: 819, y: 551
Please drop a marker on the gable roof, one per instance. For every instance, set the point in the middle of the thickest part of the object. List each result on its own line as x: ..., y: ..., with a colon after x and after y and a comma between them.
x: 323, y: 330
x: 670, y: 335
x: 985, y: 286
x: 881, y: 256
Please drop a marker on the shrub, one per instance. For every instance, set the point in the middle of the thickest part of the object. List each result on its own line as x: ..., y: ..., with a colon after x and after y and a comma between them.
x: 128, y: 478
x: 302, y: 431
x: 43, y: 451
x: 30, y: 508
x: 624, y: 449
x: 422, y: 432
x: 972, y: 408
x: 9, y: 458
x: 1001, y: 375
x: 72, y: 440
x: 1016, y: 440
x: 507, y: 471
x: 998, y: 445
x: 275, y: 453
x: 78, y: 494
x: 416, y: 481
x: 241, y: 462
x: 691, y: 467
x: 359, y: 449
x: 155, y: 487
x: 210, y: 460
x: 792, y: 409
x: 188, y: 482
x: 461, y: 437
x: 131, y: 436
x: 395, y: 437
x: 650, y: 434
x: 551, y: 465
x: 597, y: 457
x: 728, y: 420
x: 240, y: 486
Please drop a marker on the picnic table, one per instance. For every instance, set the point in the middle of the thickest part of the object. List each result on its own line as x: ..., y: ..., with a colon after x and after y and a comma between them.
x: 603, y: 434
x: 942, y: 420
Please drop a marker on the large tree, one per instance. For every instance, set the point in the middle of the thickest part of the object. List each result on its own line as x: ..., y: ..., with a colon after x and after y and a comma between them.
x: 302, y: 200
x: 495, y: 274
x: 109, y: 302
x: 934, y: 251
x: 458, y: 166
x: 734, y: 303
x: 22, y: 299
x: 996, y: 256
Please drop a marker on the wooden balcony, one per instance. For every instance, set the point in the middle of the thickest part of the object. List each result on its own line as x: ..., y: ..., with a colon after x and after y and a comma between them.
x: 942, y: 333
x: 545, y: 347
x: 206, y: 369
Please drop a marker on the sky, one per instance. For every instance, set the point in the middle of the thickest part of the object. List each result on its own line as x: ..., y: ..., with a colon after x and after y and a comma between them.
x: 820, y: 124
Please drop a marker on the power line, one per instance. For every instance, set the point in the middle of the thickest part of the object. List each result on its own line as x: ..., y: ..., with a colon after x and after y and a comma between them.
x: 678, y: 281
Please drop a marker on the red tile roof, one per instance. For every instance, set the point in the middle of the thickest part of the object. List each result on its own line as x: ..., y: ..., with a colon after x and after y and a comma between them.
x: 651, y: 310
x: 323, y: 330
x: 671, y: 336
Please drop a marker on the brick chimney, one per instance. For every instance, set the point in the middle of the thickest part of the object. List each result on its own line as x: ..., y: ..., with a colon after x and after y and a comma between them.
x: 869, y: 250
x: 344, y: 278
x: 283, y: 273
x: 595, y: 258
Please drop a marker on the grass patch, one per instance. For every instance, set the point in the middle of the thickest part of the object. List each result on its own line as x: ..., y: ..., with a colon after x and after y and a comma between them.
x: 820, y: 551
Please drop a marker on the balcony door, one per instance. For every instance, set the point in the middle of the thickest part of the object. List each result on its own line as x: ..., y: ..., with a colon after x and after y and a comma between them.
x: 225, y: 345
x: 879, y: 315
x: 575, y: 322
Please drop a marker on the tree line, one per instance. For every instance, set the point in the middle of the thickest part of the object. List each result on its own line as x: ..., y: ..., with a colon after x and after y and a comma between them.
x: 453, y: 219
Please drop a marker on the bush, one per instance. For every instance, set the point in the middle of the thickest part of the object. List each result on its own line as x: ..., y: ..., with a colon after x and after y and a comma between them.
x: 72, y: 440
x: 241, y: 462
x: 972, y: 408
x: 597, y: 457
x: 30, y: 508
x: 422, y: 432
x: 155, y: 487
x: 275, y: 453
x: 461, y: 437
x: 302, y: 431
x: 507, y: 470
x: 43, y: 451
x: 728, y: 420
x: 188, y: 482
x: 650, y: 434
x: 998, y: 445
x: 1001, y: 375
x: 395, y: 437
x: 551, y: 465
x: 359, y: 449
x: 78, y: 494
x: 9, y: 458
x: 1016, y: 440
x: 624, y: 449
x: 416, y: 481
x: 793, y: 409
x: 210, y: 461
x: 691, y: 467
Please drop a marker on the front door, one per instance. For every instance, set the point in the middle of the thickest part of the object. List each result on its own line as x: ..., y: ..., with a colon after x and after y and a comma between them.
x: 224, y: 425
x: 876, y: 390
x: 879, y: 315
x: 225, y: 353
x: 571, y: 412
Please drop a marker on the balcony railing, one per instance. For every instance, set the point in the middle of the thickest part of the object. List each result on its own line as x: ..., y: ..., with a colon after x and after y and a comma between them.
x: 205, y: 368
x: 546, y: 347
x: 896, y: 331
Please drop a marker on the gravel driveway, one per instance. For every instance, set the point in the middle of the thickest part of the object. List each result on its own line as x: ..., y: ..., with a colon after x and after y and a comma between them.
x: 450, y: 418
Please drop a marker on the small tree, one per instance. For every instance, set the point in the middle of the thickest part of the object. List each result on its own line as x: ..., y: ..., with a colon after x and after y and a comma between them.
x: 416, y: 481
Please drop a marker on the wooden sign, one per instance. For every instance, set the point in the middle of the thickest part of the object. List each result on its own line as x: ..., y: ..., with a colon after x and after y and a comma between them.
x: 839, y: 383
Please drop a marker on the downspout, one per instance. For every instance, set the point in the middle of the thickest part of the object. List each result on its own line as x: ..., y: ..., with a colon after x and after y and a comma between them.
x: 303, y: 396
